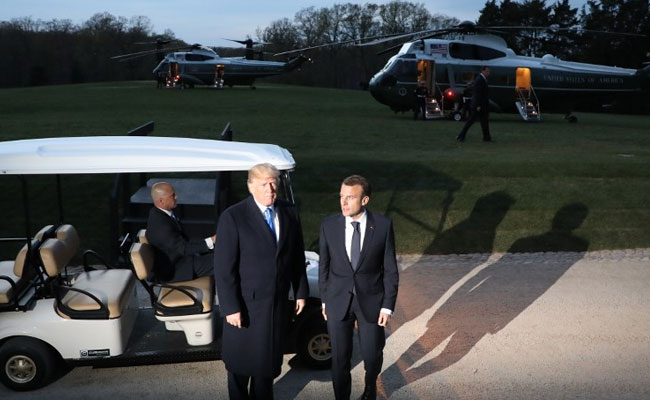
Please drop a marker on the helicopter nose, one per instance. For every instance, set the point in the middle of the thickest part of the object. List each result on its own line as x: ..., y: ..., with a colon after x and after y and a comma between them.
x: 375, y: 88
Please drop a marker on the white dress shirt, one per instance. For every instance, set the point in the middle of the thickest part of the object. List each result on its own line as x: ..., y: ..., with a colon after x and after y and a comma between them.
x: 276, y: 221
x: 208, y: 240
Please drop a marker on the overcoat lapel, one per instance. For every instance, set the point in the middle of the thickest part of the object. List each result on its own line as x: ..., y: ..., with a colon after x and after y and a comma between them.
x: 340, y: 230
x: 258, y: 223
x: 283, y: 221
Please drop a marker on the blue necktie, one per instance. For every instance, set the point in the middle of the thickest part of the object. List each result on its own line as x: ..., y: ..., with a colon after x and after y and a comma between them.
x: 268, y: 214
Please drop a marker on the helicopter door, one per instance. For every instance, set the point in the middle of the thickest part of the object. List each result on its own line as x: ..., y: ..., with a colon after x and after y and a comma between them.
x: 526, y: 101
x: 172, y: 77
x: 219, y: 72
x: 427, y: 74
x: 523, y: 78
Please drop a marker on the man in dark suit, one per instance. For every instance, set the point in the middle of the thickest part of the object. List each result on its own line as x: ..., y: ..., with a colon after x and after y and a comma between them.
x: 358, y: 280
x: 480, y: 106
x: 421, y: 94
x: 177, y: 257
x: 258, y: 256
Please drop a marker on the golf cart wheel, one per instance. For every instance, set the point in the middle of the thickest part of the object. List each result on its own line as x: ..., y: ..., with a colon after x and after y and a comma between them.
x: 26, y: 364
x: 456, y: 116
x: 315, y: 348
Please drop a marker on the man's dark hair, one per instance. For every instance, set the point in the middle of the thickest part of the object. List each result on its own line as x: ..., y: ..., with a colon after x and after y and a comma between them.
x: 483, y: 68
x: 354, y: 180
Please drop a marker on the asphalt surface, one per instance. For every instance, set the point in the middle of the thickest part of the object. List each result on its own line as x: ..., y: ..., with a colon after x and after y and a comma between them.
x: 481, y: 326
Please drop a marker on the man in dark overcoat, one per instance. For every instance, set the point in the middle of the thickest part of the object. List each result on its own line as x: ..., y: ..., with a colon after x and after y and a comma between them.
x: 259, y: 254
x: 357, y: 279
x: 480, y: 106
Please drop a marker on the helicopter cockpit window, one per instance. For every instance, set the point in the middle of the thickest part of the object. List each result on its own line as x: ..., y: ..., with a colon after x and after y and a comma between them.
x: 486, y: 53
x: 197, y: 57
x: 389, y: 64
x: 404, y: 67
x: 465, y: 51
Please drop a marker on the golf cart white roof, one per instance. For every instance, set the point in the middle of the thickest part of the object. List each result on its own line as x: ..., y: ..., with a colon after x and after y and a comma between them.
x: 111, y: 154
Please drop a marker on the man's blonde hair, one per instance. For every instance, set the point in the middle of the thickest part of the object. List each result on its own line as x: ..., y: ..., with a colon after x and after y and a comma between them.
x: 264, y: 170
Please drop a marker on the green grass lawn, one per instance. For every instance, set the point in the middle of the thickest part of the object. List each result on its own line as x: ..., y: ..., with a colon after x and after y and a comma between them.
x: 443, y: 197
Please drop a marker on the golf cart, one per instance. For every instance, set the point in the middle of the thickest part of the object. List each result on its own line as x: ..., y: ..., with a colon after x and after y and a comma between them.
x: 55, y: 309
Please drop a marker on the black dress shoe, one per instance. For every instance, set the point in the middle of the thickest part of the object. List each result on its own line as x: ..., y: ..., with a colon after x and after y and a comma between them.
x: 369, y: 393
x: 489, y: 140
x: 460, y: 139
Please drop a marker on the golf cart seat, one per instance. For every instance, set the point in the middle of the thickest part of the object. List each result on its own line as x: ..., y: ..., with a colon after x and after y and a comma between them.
x: 185, y: 306
x: 16, y: 274
x: 96, y: 294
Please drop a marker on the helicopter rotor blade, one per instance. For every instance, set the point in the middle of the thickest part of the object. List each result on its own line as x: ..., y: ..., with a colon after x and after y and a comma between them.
x: 358, y: 42
x: 463, y: 27
x: 158, y: 41
x: 137, y: 54
x: 314, y: 47
x: 388, y: 38
x: 129, y: 56
x: 247, y: 42
x: 389, y: 49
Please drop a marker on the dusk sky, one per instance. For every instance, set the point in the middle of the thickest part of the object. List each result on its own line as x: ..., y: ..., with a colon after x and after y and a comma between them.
x: 208, y: 22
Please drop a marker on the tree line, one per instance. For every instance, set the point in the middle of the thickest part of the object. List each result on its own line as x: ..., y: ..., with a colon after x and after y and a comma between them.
x: 58, y: 51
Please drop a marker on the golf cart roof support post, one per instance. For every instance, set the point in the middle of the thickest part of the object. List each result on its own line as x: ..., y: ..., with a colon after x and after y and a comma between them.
x: 287, y: 187
x: 59, y: 198
x: 28, y: 233
x: 226, y: 134
x: 222, y: 186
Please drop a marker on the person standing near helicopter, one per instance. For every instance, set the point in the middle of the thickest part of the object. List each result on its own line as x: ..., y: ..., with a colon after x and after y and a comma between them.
x: 480, y: 106
x: 421, y: 94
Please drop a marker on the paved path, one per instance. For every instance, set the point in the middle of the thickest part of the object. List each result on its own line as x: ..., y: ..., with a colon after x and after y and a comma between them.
x: 499, y: 326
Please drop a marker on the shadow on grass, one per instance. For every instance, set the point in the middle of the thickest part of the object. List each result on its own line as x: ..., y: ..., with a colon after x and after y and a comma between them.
x: 476, y: 233
x: 491, y: 296
x: 421, y: 285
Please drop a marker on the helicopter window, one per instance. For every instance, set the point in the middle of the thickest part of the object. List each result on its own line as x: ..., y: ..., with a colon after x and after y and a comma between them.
x: 404, y: 67
x: 464, y: 76
x: 389, y: 64
x: 465, y: 51
x: 197, y: 57
x: 486, y: 53
x: 408, y: 55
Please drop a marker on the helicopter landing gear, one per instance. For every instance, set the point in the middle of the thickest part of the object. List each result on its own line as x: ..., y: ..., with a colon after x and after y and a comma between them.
x: 571, y: 118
